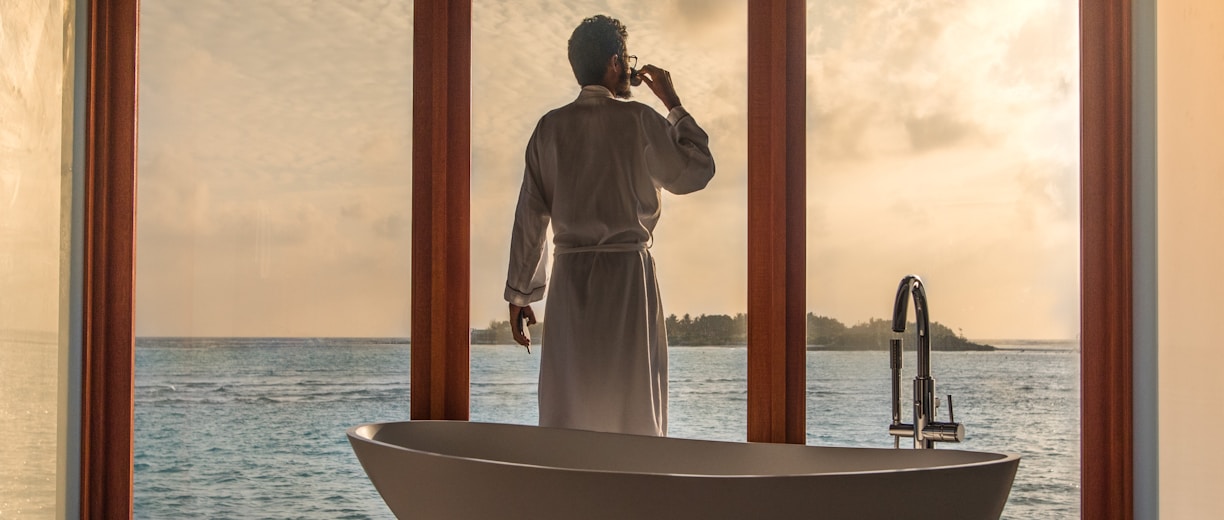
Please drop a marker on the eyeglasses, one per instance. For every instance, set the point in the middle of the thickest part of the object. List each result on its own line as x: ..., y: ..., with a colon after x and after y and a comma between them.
x: 631, y: 61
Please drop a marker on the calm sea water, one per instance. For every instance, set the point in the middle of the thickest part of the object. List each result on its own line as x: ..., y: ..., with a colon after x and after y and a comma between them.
x: 254, y: 428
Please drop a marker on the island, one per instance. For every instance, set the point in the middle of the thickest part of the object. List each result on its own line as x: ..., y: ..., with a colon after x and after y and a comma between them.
x: 823, y: 334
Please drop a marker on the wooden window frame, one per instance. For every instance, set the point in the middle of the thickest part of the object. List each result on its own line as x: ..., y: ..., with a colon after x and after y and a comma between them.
x: 440, y: 238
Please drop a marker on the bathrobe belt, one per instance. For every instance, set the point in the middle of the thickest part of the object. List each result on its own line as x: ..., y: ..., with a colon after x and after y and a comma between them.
x: 603, y: 248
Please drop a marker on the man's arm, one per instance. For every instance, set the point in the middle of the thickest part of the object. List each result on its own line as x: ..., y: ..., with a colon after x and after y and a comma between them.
x: 678, y: 150
x: 527, y: 273
x: 660, y: 83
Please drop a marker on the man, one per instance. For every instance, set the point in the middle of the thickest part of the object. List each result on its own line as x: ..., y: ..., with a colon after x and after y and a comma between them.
x: 595, y: 168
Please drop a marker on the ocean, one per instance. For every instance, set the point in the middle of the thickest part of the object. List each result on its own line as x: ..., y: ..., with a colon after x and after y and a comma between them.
x: 254, y: 428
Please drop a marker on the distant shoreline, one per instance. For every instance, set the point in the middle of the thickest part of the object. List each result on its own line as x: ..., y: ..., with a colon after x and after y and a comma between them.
x: 1000, y: 345
x: 906, y: 347
x: 823, y: 333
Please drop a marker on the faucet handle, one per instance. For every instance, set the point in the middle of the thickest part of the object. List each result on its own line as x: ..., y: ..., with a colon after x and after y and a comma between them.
x: 944, y: 432
x: 950, y: 431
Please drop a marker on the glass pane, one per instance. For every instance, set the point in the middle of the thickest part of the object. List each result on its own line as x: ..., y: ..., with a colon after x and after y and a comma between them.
x: 273, y: 253
x: 520, y: 71
x: 35, y: 235
x: 943, y: 141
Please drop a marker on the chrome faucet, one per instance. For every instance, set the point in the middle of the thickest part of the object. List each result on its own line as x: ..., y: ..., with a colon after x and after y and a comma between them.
x: 925, y: 430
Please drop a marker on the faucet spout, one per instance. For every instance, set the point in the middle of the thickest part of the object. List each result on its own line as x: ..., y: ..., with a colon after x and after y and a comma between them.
x: 925, y: 430
x: 912, y: 284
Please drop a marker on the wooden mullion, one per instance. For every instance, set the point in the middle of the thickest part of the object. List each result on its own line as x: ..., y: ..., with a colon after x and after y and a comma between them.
x: 441, y: 209
x: 108, y: 338
x: 1107, y: 443
x: 776, y: 221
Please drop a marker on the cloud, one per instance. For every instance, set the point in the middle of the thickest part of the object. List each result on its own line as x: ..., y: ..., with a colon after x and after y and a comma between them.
x: 703, y: 22
x: 890, y: 79
x: 392, y: 227
x: 276, y: 156
x: 936, y: 131
x: 275, y: 160
x: 174, y: 201
x: 943, y: 140
x: 355, y: 210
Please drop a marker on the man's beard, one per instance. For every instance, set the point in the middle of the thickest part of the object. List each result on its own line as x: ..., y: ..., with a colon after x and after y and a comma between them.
x: 622, y: 86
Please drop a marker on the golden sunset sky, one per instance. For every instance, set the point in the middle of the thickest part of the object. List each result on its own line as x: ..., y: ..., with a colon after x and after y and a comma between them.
x: 275, y: 158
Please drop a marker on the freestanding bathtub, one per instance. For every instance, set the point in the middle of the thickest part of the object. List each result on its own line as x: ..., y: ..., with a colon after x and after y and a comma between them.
x: 452, y: 469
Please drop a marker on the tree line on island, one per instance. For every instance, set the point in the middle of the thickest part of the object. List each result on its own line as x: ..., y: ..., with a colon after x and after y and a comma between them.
x: 823, y: 333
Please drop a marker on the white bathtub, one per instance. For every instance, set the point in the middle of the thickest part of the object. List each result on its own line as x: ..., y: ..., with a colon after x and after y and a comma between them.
x: 450, y: 469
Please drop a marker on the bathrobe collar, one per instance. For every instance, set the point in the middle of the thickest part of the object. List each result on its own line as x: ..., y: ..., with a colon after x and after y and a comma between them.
x: 591, y: 91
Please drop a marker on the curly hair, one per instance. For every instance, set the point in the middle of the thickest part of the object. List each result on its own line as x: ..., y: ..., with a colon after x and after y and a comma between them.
x: 593, y: 41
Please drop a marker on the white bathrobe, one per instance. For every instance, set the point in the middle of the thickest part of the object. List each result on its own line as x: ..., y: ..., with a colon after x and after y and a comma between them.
x: 594, y: 169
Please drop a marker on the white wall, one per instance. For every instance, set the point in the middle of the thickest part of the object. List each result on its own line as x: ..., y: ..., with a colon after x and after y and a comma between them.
x: 1190, y: 255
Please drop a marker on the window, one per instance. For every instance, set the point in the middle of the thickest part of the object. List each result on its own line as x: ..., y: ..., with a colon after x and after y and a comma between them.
x: 273, y: 252
x: 943, y: 141
x: 521, y: 71
x: 1106, y: 276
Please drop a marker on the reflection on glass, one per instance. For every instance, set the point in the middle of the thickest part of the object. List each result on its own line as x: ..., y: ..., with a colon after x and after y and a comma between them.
x: 520, y: 71
x: 272, y: 252
x: 35, y: 233
x: 943, y: 141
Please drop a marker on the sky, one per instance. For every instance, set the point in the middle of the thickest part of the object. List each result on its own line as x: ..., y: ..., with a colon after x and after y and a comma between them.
x: 275, y: 159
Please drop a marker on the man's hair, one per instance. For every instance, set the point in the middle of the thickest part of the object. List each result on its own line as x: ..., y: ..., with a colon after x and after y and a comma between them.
x: 594, y: 41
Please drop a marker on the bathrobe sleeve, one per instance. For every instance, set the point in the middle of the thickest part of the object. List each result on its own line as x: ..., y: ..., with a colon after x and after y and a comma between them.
x: 528, y: 272
x: 678, y: 152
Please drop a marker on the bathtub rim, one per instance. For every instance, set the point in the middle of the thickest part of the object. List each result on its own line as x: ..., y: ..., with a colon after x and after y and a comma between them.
x: 1002, y: 458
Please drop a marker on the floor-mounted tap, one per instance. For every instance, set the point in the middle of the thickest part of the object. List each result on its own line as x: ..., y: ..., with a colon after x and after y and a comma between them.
x: 925, y: 430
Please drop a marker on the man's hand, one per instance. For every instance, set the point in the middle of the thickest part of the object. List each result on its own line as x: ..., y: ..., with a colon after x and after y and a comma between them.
x: 660, y: 83
x: 517, y: 315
